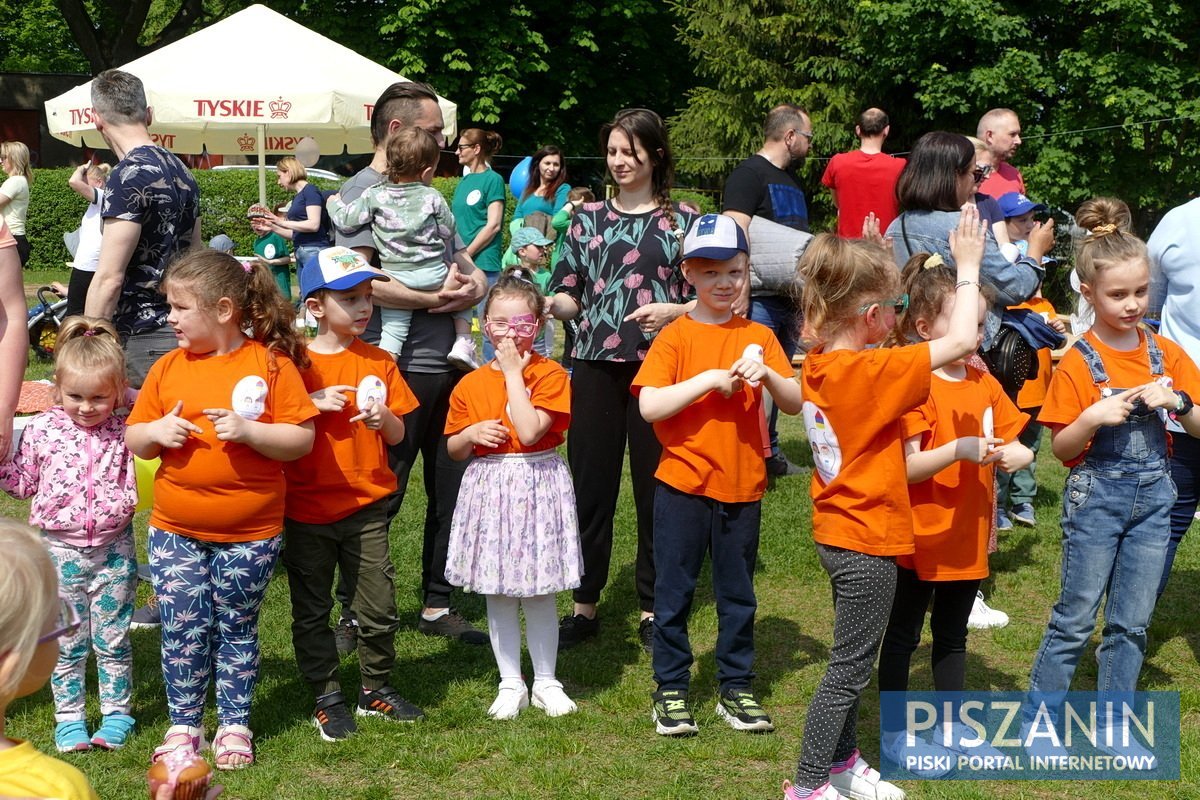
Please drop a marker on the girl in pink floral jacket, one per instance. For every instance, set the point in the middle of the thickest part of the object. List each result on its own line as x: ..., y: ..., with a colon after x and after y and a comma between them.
x: 73, y: 462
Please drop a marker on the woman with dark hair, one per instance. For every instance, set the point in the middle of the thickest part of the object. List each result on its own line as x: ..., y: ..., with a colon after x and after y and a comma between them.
x: 937, y: 181
x: 619, y: 279
x: 547, y: 188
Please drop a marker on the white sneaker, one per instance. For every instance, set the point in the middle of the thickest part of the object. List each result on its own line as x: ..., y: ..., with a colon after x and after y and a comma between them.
x: 462, y: 355
x: 512, y: 697
x: 859, y: 782
x: 822, y: 792
x: 1124, y: 743
x: 550, y: 697
x: 915, y: 755
x: 984, y: 617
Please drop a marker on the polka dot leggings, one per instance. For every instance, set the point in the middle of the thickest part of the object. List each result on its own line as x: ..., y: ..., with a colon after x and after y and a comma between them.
x: 863, y: 587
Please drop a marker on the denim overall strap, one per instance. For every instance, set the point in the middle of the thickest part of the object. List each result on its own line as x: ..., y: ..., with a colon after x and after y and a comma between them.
x: 1139, y: 443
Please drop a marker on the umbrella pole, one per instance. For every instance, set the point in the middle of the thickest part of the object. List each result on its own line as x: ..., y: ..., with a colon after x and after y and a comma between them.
x: 262, y: 164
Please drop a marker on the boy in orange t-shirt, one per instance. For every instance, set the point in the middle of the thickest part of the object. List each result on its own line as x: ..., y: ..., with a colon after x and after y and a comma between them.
x: 335, y: 514
x: 701, y: 387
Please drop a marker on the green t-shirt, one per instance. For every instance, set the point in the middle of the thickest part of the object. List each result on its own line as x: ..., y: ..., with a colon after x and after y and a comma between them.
x: 474, y: 194
x: 270, y: 246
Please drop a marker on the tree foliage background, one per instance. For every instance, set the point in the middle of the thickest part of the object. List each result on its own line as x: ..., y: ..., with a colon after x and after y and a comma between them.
x: 1107, y: 90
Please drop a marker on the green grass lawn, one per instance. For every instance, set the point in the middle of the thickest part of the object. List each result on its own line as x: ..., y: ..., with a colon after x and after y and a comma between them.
x: 609, y: 749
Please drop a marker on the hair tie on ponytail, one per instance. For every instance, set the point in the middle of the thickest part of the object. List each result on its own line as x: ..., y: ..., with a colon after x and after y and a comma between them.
x: 89, y: 333
x: 248, y: 266
x: 1104, y: 230
x: 934, y: 260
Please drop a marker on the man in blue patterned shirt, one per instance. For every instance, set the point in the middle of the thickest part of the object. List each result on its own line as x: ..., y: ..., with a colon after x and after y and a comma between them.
x: 151, y: 213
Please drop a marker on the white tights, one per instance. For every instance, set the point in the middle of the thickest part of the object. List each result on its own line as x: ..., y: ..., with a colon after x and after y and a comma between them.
x: 541, y: 634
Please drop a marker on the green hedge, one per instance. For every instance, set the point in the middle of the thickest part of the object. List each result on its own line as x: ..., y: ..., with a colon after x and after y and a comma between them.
x: 54, y: 209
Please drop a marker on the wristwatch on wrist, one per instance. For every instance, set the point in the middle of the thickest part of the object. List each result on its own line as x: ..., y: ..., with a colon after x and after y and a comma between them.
x: 1184, y: 405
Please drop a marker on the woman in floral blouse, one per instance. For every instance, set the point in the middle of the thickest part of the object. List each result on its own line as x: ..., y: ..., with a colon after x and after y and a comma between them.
x: 619, y: 279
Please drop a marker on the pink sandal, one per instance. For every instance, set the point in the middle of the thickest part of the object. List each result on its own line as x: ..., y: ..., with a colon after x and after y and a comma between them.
x: 179, y: 737
x: 233, y: 740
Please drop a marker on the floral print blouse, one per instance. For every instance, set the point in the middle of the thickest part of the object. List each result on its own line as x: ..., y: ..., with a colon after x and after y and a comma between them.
x: 613, y: 263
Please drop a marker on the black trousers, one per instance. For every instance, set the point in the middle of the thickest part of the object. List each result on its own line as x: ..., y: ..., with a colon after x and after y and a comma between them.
x: 604, y: 416
x: 423, y: 434
x: 952, y: 602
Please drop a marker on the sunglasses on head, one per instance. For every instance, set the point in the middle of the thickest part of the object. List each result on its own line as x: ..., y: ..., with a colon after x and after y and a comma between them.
x: 981, y: 172
x: 900, y: 304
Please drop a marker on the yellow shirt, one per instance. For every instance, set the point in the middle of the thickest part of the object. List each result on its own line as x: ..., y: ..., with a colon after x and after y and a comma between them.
x: 26, y: 772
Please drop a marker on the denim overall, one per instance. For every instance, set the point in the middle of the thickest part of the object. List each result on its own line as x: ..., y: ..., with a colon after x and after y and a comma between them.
x: 1116, y: 526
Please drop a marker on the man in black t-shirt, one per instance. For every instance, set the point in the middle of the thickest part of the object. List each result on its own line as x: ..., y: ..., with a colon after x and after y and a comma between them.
x: 766, y: 185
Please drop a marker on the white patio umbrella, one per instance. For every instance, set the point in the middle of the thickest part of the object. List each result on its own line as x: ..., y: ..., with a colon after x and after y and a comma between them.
x: 210, y: 91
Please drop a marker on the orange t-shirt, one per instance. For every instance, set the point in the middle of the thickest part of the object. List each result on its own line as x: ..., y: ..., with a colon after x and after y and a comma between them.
x: 952, y: 511
x: 1033, y: 392
x: 714, y: 447
x: 348, y: 466
x: 1072, y: 388
x: 208, y: 489
x: 853, y: 401
x: 482, y: 394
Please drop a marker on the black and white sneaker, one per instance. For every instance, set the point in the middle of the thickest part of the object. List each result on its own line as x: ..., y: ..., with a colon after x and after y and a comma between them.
x: 333, y: 718
x: 387, y: 702
x: 575, y: 629
x: 741, y: 709
x: 670, y: 713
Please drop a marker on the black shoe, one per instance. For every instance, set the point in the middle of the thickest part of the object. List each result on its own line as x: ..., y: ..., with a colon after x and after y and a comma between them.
x: 670, y: 713
x: 333, y: 719
x: 574, y: 629
x: 452, y: 625
x: 646, y: 634
x: 387, y: 702
x: 345, y: 636
x: 741, y: 709
x: 778, y: 466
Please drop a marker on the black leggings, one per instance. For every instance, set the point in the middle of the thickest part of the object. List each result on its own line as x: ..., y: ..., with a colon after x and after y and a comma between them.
x: 952, y: 602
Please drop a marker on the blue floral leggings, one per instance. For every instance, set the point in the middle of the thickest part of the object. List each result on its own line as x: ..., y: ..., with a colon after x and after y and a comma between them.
x: 210, y: 594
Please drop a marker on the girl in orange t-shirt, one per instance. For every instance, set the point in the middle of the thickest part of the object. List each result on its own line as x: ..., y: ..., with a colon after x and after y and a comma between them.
x: 854, y: 397
x: 514, y: 537
x: 951, y: 442
x: 222, y: 411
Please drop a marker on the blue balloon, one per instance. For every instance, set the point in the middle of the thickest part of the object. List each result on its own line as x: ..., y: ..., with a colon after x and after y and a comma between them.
x: 519, y: 178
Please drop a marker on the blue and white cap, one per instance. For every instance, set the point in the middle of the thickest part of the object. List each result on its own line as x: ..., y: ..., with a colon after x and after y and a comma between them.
x: 336, y: 268
x: 714, y: 236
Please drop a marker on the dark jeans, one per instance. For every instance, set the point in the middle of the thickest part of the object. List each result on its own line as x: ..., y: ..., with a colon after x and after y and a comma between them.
x: 780, y: 315
x: 952, y: 602
x: 358, y: 546
x: 604, y: 414
x: 423, y: 434
x: 143, y: 349
x: 686, y: 527
x: 1185, y: 470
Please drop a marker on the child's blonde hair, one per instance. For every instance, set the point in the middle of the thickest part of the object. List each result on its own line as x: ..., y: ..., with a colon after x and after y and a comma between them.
x: 1109, y: 240
x: 28, y: 593
x: 90, y: 346
x: 410, y: 151
x: 258, y: 307
x: 839, y: 276
x: 99, y: 172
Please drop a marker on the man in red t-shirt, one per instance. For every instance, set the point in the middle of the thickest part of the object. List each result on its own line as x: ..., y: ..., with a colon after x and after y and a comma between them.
x: 864, y: 181
x: 1000, y: 130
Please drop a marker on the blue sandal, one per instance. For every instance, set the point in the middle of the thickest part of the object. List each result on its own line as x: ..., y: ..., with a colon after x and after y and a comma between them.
x: 114, y: 730
x: 71, y: 736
